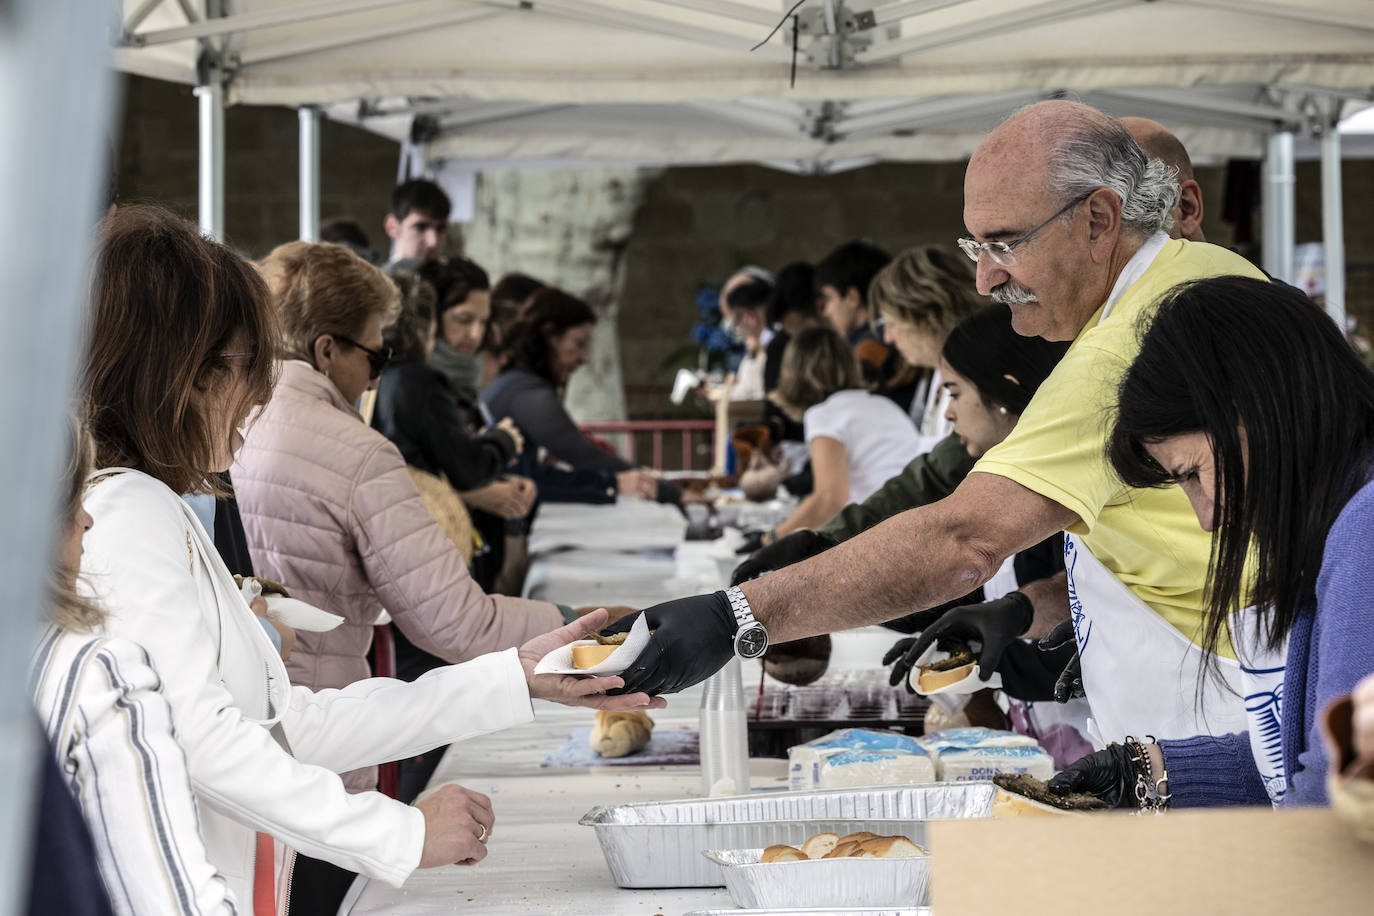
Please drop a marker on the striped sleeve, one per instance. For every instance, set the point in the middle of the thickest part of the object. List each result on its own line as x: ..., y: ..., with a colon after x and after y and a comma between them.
x: 112, y: 730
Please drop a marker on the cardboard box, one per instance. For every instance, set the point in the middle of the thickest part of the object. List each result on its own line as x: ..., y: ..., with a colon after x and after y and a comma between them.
x: 1247, y: 862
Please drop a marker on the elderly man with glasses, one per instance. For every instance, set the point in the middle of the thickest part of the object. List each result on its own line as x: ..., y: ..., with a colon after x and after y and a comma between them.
x: 1067, y: 220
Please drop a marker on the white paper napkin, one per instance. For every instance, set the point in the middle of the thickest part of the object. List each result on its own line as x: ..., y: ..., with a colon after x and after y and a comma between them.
x: 291, y: 613
x: 300, y: 616
x: 559, y: 661
x: 969, y: 684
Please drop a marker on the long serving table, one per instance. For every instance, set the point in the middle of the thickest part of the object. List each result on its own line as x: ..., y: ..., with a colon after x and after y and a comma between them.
x: 540, y: 860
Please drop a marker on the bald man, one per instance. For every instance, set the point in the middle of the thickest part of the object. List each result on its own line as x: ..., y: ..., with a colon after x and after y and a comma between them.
x: 1160, y: 144
x: 1065, y: 215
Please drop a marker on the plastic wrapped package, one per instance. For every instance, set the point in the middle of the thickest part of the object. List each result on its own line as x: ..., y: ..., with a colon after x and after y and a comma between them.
x: 975, y: 736
x: 859, y: 757
x: 967, y: 754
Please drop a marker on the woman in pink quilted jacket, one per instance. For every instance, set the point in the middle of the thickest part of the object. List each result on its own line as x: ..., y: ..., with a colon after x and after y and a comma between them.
x: 327, y: 504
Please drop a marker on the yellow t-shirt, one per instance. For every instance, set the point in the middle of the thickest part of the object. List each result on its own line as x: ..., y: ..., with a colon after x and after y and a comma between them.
x: 1149, y: 539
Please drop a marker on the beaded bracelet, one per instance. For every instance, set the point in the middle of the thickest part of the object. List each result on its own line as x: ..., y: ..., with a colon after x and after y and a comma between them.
x: 1151, y: 794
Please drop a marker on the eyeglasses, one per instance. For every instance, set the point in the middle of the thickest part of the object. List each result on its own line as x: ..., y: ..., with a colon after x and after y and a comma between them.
x: 376, y: 359
x: 1003, y: 253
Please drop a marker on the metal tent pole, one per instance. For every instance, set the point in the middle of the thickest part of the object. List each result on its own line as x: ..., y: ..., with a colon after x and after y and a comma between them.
x: 1333, y: 225
x: 310, y: 172
x: 1279, y: 184
x: 57, y: 96
x: 211, y: 97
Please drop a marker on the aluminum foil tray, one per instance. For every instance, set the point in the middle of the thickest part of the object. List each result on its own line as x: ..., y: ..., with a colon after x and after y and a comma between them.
x: 660, y: 844
x: 825, y: 882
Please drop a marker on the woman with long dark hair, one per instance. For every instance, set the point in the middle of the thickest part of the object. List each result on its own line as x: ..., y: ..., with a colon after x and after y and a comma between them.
x: 544, y: 347
x: 1248, y: 397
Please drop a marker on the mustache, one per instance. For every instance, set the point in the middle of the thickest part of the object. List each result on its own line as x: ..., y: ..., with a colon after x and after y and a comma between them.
x: 1013, y: 293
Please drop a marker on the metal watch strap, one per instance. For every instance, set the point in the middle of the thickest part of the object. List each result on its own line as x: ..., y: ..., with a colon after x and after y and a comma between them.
x: 744, y: 614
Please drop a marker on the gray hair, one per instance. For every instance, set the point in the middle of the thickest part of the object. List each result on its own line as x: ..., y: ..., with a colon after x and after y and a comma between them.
x: 1101, y: 154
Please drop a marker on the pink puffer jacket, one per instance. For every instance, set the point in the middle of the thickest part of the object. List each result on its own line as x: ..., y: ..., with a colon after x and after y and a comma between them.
x: 331, y: 513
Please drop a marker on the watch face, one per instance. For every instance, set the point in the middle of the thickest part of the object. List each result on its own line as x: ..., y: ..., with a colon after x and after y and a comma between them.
x: 751, y: 642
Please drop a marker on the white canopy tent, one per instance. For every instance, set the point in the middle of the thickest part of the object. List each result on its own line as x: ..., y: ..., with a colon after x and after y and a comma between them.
x: 501, y: 83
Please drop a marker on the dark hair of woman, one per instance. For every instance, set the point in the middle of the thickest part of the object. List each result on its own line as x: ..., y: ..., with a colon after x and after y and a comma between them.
x: 508, y: 297
x: 550, y: 313
x: 168, y: 304
x: 453, y: 280
x: 413, y: 323
x: 817, y: 363
x: 1232, y: 353
x: 1005, y: 367
x: 513, y: 290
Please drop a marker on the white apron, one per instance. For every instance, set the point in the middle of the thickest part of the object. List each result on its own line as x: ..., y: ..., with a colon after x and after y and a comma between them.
x: 1141, y: 675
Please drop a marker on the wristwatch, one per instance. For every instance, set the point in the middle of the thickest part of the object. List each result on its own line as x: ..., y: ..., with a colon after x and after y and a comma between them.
x: 751, y: 639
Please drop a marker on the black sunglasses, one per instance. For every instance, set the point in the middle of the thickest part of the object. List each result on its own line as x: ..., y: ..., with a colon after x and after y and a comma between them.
x: 376, y: 359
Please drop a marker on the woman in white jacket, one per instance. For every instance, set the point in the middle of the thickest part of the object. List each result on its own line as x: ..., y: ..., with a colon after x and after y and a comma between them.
x: 182, y: 349
x: 110, y: 726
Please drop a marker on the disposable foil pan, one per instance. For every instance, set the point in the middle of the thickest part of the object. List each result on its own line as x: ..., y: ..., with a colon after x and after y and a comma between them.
x: 823, y: 882
x: 660, y: 844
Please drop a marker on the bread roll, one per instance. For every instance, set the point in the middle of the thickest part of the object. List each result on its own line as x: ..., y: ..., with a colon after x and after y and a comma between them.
x: 1008, y: 804
x: 841, y: 850
x: 782, y: 854
x: 858, y: 837
x: 620, y: 733
x: 935, y: 680
x: 820, y: 844
x: 591, y: 656
x: 889, y: 847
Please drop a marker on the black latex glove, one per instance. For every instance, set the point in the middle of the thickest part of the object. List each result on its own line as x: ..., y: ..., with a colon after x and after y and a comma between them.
x: 1069, y: 685
x: 902, y: 662
x: 993, y: 624
x: 795, y: 547
x: 693, y: 638
x: 1029, y: 674
x: 753, y: 542
x: 1109, y: 774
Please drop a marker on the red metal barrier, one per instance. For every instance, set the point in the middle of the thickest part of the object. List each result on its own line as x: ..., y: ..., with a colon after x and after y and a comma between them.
x: 689, y: 431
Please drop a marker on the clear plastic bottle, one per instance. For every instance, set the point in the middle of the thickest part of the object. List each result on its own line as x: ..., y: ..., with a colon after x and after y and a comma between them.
x: 724, y: 734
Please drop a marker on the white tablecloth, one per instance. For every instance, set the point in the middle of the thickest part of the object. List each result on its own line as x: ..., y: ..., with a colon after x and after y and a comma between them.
x: 540, y: 859
x: 583, y: 576
x: 626, y: 524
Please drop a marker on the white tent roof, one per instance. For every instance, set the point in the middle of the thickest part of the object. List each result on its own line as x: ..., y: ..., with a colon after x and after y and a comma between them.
x: 660, y: 81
